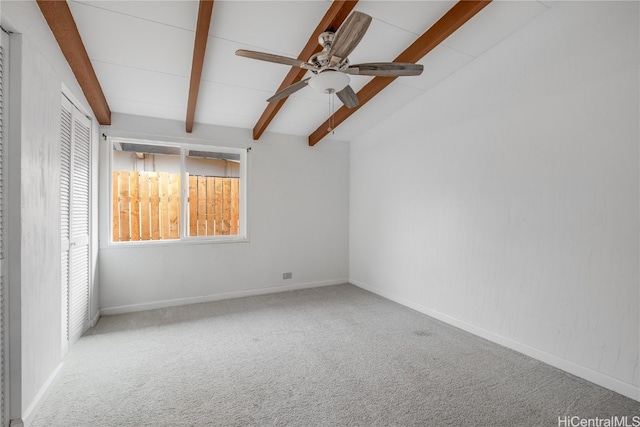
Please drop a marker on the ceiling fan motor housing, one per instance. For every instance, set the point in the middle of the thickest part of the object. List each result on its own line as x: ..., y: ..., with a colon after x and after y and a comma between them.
x: 329, y: 81
x: 322, y: 60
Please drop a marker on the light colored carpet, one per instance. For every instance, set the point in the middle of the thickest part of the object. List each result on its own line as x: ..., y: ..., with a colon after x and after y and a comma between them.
x: 329, y: 356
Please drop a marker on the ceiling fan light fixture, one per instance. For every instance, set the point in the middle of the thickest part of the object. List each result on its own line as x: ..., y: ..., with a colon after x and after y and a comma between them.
x: 329, y: 81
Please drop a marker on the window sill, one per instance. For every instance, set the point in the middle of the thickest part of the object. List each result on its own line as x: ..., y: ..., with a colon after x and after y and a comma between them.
x: 180, y: 242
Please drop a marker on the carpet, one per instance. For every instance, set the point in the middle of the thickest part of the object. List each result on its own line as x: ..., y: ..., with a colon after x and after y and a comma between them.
x: 330, y: 356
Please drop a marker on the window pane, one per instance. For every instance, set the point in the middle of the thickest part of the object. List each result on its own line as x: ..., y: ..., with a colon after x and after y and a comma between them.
x: 146, y: 192
x: 214, y: 193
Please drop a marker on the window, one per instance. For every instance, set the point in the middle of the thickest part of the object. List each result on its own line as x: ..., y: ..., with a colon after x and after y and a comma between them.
x: 164, y: 192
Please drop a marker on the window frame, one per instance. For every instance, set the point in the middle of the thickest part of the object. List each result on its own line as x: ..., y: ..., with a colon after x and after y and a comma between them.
x: 184, y: 148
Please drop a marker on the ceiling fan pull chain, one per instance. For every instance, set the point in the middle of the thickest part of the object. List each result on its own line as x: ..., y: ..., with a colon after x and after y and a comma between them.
x: 330, y: 128
x: 332, y: 109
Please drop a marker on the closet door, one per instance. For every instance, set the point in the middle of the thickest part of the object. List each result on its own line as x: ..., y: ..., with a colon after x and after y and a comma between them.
x: 65, y: 212
x: 79, y: 236
x: 3, y: 295
x: 75, y: 220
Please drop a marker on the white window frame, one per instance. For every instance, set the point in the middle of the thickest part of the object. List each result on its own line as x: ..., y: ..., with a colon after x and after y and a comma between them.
x: 242, y: 236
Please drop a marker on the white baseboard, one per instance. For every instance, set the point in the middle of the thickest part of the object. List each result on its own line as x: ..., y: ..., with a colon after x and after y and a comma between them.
x: 32, y: 409
x: 588, y: 374
x: 216, y: 297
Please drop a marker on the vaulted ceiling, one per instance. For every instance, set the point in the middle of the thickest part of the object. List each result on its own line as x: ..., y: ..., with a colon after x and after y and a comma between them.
x: 147, y: 56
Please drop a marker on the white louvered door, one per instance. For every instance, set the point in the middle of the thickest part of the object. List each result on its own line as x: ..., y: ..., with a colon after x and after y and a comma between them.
x: 75, y: 218
x: 65, y: 211
x: 3, y: 295
x: 79, y: 236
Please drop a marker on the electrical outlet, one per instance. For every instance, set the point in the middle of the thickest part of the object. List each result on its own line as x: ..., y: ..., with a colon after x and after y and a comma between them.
x: 286, y: 276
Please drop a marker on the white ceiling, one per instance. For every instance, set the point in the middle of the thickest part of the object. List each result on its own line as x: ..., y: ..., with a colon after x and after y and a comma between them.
x: 142, y: 51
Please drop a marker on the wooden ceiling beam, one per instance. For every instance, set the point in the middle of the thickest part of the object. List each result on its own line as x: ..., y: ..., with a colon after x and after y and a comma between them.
x: 205, y: 11
x: 64, y: 29
x: 457, y: 16
x: 335, y: 16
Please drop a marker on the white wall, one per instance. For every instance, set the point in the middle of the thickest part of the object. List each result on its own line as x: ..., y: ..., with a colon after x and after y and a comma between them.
x: 38, y: 72
x: 298, y: 201
x: 40, y: 223
x: 512, y: 208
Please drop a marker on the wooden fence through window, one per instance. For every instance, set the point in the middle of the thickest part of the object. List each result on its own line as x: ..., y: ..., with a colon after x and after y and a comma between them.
x: 146, y: 206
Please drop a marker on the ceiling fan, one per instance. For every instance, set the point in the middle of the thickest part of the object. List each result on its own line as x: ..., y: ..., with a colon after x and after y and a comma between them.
x: 331, y: 66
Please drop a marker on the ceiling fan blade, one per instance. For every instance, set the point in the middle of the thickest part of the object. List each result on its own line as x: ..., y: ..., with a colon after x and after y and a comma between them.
x: 385, y: 69
x: 289, y: 90
x: 349, y: 35
x: 348, y: 97
x: 269, y: 57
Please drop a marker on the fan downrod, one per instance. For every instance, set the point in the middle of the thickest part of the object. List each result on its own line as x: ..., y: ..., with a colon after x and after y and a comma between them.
x: 326, y: 39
